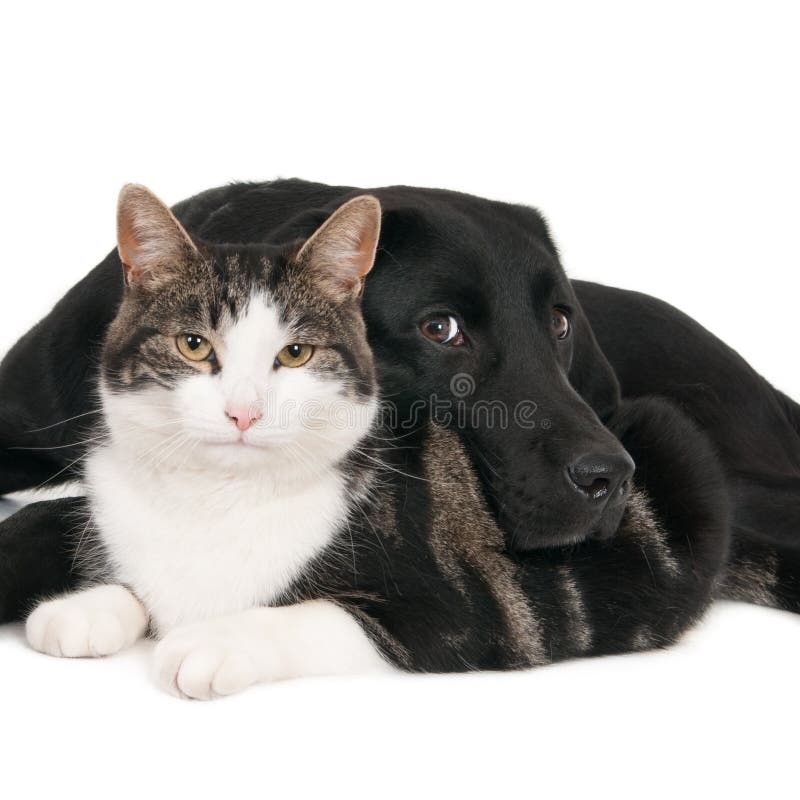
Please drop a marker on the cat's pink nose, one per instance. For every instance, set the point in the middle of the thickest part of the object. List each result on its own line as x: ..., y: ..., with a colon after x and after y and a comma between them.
x: 243, y: 416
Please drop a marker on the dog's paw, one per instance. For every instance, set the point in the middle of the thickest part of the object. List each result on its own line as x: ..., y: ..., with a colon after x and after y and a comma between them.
x: 206, y: 660
x: 95, y: 622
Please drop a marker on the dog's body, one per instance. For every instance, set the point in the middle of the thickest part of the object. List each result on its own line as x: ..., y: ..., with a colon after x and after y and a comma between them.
x: 500, y: 262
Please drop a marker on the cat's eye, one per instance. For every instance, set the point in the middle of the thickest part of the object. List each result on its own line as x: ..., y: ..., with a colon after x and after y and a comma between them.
x: 561, y: 324
x: 294, y: 355
x: 443, y: 329
x: 194, y: 347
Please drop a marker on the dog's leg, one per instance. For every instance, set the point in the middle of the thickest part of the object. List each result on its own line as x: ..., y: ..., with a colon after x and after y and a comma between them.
x: 763, y: 573
x: 37, y: 554
x: 767, y: 509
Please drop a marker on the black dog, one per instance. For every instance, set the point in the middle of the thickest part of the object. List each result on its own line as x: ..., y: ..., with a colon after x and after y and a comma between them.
x: 470, y: 289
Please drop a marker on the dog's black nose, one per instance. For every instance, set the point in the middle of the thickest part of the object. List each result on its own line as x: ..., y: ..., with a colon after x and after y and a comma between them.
x: 601, y: 477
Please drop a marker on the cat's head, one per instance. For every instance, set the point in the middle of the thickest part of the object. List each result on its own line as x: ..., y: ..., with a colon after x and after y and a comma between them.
x: 240, y: 357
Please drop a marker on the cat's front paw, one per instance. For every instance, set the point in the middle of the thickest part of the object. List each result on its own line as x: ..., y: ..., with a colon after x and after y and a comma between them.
x: 205, y: 661
x: 95, y: 622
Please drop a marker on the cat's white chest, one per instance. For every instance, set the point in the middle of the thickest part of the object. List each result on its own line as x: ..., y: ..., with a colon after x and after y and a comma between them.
x: 193, y: 547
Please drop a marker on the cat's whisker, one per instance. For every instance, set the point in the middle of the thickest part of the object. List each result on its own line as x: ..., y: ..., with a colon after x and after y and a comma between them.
x: 100, y: 438
x: 44, y: 483
x: 61, y: 446
x: 189, y: 453
x: 156, y: 450
x: 166, y: 452
x: 304, y: 456
x: 82, y: 538
x: 169, y: 452
x: 157, y: 446
x: 383, y: 465
x: 64, y: 421
x: 370, y: 456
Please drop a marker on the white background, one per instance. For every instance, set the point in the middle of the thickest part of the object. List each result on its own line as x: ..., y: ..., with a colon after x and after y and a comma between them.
x: 662, y: 144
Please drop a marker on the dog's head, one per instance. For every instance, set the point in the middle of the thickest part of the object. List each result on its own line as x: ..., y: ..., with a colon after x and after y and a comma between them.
x: 474, y: 322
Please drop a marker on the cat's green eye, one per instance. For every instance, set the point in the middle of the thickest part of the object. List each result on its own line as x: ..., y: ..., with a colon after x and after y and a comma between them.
x: 294, y: 355
x: 194, y: 347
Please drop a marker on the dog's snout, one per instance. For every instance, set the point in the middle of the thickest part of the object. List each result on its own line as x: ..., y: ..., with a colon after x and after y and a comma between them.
x: 600, y: 477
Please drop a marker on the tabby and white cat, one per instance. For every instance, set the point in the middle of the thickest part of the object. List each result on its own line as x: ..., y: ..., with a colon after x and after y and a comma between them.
x: 247, y: 509
x: 235, y: 382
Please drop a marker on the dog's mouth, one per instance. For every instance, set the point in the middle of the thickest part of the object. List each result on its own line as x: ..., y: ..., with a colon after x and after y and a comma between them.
x: 534, y: 525
x: 610, y: 519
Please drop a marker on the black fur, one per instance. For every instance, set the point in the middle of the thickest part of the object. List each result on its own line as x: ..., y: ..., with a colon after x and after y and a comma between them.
x: 38, y: 545
x: 498, y: 263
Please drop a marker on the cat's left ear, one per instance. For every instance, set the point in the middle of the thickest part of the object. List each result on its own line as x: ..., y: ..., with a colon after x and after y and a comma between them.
x: 342, y: 250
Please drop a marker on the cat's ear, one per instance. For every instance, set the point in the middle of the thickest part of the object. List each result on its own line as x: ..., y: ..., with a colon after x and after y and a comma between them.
x: 152, y: 244
x: 342, y: 250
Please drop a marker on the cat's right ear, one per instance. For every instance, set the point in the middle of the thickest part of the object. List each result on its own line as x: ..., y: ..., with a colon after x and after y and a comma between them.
x: 152, y: 244
x: 342, y: 250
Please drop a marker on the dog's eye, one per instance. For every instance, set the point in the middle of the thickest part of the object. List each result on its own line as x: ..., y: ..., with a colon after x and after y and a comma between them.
x: 561, y: 325
x: 443, y: 330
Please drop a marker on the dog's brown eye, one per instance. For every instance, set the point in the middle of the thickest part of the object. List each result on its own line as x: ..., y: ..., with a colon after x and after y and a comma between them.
x: 561, y: 325
x: 443, y: 330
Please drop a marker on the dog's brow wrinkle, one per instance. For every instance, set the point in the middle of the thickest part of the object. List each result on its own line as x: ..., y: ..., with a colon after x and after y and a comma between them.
x: 542, y: 284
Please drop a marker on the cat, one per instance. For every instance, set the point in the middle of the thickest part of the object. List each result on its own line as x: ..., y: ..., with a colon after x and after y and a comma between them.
x: 202, y: 506
x: 250, y: 508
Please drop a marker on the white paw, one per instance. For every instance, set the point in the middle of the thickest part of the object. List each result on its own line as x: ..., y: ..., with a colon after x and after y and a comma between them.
x: 206, y: 660
x: 95, y: 622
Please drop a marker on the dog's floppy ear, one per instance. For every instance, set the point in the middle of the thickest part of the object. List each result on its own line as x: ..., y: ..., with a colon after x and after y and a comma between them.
x: 590, y: 372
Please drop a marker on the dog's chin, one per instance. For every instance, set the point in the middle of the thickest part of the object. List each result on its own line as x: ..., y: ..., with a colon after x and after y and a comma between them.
x: 540, y: 532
